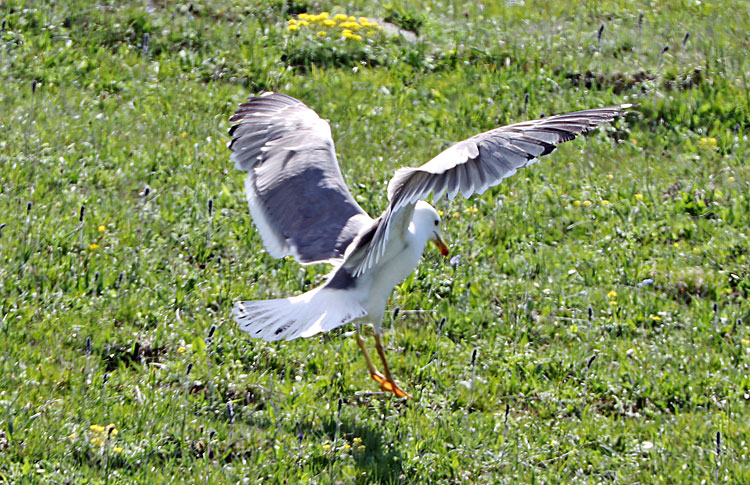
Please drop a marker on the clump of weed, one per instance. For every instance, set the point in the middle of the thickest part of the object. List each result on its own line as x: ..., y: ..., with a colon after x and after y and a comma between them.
x: 334, y: 40
x: 410, y: 20
x: 692, y: 282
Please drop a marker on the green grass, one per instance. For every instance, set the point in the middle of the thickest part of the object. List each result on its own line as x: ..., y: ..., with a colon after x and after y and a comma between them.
x: 584, y: 372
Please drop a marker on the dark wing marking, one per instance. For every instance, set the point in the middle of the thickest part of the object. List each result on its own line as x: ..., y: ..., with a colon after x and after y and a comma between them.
x: 480, y: 162
x: 297, y: 196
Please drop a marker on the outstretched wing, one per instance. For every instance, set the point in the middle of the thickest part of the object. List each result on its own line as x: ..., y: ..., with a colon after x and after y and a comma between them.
x: 297, y: 196
x: 480, y: 162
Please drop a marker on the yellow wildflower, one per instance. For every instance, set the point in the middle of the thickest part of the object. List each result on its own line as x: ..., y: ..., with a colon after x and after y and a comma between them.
x: 93, y: 246
x: 612, y: 294
x: 708, y: 143
x: 610, y: 176
x: 329, y: 23
x: 304, y: 23
x: 745, y: 341
x: 321, y: 34
x: 586, y: 203
x: 440, y: 213
x: 731, y: 179
x: 613, y: 303
x: 101, y: 434
x: 293, y: 27
x: 577, y: 203
x: 352, y: 19
x: 292, y: 21
x: 348, y: 34
x: 324, y: 15
x: 304, y: 16
x: 117, y: 449
x: 340, y: 16
x: 102, y: 228
x: 346, y: 446
x: 605, y: 202
x: 472, y: 210
x: 655, y: 318
x: 326, y: 447
x: 357, y: 440
x: 676, y: 244
x: 638, y: 196
x: 183, y: 134
x: 181, y: 350
x: 350, y: 25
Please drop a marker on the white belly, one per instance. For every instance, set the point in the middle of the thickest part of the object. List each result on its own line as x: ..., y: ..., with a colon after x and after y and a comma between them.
x: 393, y: 268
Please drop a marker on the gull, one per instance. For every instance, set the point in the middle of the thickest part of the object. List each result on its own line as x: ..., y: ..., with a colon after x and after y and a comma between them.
x: 302, y: 208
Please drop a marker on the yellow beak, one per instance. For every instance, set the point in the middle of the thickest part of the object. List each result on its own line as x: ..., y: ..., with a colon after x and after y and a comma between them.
x: 441, y: 245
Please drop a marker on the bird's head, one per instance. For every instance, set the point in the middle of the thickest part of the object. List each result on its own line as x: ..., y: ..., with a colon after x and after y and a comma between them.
x: 427, y: 220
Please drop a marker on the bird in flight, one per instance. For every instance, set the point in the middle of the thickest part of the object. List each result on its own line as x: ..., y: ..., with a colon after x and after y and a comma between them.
x: 302, y: 208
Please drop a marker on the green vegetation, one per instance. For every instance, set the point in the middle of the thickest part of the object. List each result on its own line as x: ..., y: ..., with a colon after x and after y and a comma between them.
x: 604, y: 289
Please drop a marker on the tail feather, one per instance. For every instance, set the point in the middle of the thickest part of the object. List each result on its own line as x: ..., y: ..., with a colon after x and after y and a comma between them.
x: 318, y: 310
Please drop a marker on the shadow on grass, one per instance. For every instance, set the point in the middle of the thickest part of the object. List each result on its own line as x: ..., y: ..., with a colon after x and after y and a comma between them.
x: 377, y: 462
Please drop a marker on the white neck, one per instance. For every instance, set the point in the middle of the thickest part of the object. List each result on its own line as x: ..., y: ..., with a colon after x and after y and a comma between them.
x: 419, y: 235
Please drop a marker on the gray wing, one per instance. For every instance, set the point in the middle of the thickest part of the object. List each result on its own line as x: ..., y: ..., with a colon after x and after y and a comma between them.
x: 480, y: 162
x: 297, y: 196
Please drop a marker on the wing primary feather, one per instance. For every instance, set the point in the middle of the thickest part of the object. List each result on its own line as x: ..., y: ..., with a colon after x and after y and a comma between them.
x: 423, y: 187
x: 482, y: 182
x: 527, y: 145
x: 473, y: 182
x: 462, y: 177
x: 452, y: 183
x: 438, y: 186
x: 409, y: 189
x: 492, y: 168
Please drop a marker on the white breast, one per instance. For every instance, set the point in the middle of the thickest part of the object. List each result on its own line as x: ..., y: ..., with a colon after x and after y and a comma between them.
x: 399, y: 261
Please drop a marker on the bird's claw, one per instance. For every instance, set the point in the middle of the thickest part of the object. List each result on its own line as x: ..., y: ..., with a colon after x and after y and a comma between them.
x: 392, y: 387
x: 378, y: 378
x: 389, y: 386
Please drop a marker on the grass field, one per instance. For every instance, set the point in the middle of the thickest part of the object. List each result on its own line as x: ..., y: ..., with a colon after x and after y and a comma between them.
x: 604, y: 289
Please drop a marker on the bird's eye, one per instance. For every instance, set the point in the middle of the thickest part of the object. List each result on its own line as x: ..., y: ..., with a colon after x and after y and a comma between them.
x: 436, y: 223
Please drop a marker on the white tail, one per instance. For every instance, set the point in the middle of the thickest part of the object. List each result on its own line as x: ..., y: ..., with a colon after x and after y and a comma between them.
x: 318, y: 310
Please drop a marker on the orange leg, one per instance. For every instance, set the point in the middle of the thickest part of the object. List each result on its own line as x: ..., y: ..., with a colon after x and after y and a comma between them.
x: 389, y: 384
x: 373, y: 371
